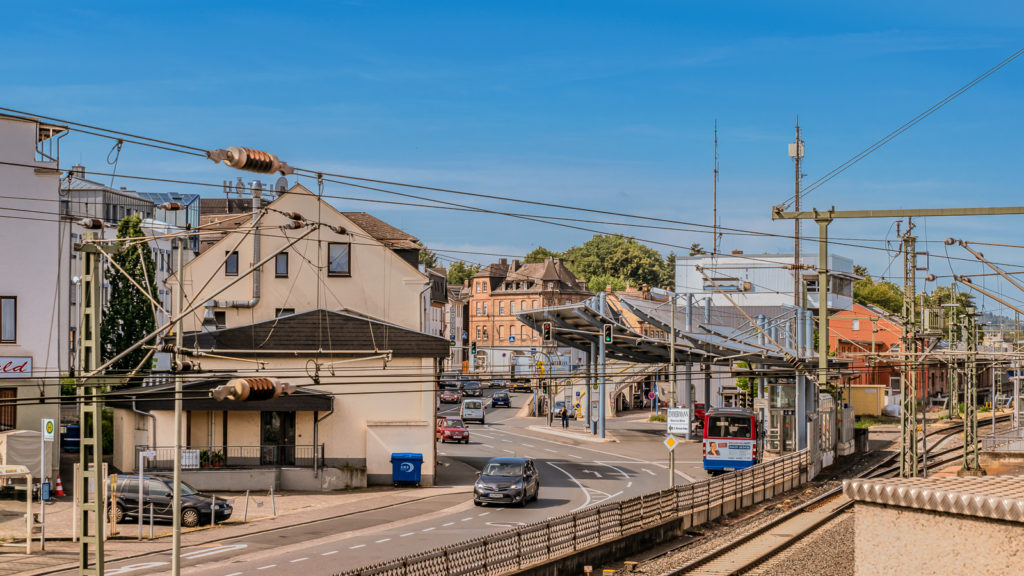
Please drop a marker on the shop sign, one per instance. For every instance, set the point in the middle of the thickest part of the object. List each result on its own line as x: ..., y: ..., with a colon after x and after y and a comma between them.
x: 15, y: 366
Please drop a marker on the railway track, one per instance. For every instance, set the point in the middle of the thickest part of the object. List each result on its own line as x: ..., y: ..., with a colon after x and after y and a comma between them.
x: 767, y: 541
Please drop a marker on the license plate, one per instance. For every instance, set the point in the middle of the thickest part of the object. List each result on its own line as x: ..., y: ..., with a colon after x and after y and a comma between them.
x: 495, y: 495
x: 456, y: 435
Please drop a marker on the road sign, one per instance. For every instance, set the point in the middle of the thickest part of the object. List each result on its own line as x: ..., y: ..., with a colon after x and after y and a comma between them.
x: 670, y: 442
x: 511, y: 339
x: 48, y: 429
x: 651, y: 395
x: 595, y: 410
x: 533, y: 349
x: 678, y: 420
x: 148, y: 453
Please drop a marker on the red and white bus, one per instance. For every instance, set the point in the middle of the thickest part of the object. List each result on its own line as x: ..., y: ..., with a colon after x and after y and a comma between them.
x: 730, y: 440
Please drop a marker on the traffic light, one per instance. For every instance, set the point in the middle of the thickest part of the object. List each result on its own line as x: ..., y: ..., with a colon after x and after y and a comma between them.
x: 545, y: 331
x: 252, y: 389
x: 472, y: 348
x: 607, y: 333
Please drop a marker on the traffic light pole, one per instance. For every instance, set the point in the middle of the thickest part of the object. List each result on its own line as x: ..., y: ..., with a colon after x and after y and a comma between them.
x: 178, y: 340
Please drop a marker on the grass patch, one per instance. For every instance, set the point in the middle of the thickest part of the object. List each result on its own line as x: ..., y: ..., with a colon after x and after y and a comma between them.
x: 869, y: 421
x: 657, y: 418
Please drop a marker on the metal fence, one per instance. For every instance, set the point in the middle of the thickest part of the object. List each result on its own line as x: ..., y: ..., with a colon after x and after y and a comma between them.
x: 300, y: 456
x: 1010, y: 441
x: 512, y: 550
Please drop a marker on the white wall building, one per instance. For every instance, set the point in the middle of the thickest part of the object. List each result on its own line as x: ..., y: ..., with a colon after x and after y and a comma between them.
x: 33, y: 352
x: 763, y: 279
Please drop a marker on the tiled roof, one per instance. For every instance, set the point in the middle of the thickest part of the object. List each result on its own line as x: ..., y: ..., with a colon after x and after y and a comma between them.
x: 209, y: 206
x: 332, y: 332
x: 383, y: 232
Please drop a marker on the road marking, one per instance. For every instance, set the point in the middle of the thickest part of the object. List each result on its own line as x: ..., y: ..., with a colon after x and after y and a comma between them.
x: 329, y: 553
x: 487, y: 446
x: 447, y: 524
x: 528, y: 445
x: 484, y: 435
x: 509, y: 451
x: 260, y: 568
x: 442, y: 453
x: 507, y: 441
x: 648, y: 471
x: 383, y: 540
x: 406, y: 534
x: 575, y: 456
x: 427, y: 529
x: 357, y: 546
x: 483, y: 514
x: 299, y: 560
x: 234, y: 574
x: 550, y: 450
x: 212, y: 551
x: 134, y: 567
x: 467, y: 519
x: 629, y: 484
x: 581, y: 486
x: 594, y: 472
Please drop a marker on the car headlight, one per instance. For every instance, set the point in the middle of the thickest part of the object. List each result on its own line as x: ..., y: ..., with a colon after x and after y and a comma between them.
x: 518, y: 485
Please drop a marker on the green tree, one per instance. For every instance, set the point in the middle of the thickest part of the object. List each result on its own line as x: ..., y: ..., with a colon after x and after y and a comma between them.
x: 427, y: 258
x: 668, y: 278
x: 459, y: 272
x: 540, y: 254
x: 885, y: 295
x: 617, y: 256
x: 697, y: 250
x: 128, y: 315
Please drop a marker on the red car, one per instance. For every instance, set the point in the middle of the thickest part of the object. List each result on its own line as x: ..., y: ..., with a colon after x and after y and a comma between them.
x: 452, y: 429
x: 698, y: 413
x: 451, y: 397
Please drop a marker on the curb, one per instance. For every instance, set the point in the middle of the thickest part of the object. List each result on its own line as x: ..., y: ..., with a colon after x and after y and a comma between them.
x: 585, y: 438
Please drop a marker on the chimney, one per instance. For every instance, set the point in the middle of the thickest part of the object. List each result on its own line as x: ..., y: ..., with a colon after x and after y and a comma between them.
x: 645, y: 292
x: 78, y: 171
x: 465, y: 283
x: 516, y: 264
x: 608, y: 288
x: 737, y: 251
x: 503, y: 261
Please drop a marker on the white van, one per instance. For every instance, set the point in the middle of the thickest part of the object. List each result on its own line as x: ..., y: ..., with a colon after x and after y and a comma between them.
x: 472, y: 409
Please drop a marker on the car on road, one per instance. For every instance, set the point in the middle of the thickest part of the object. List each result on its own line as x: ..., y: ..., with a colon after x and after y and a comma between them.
x: 559, y: 404
x: 507, y: 481
x: 451, y: 397
x: 452, y: 429
x: 196, y: 508
x: 496, y: 383
x: 699, y: 410
x: 501, y: 399
x: 450, y: 380
x: 471, y: 388
x: 473, y: 409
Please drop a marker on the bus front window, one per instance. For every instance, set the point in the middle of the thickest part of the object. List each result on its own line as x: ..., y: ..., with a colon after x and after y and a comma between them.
x: 729, y: 427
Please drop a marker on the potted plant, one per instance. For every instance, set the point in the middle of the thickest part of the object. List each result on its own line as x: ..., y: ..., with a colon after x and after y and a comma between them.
x: 204, y: 459
x: 216, y: 458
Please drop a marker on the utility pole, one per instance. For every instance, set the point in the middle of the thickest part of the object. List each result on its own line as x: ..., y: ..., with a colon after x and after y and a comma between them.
x: 953, y: 366
x: 672, y: 352
x: 796, y: 152
x: 714, y: 210
x: 971, y: 465
x: 908, y: 375
x: 178, y: 340
x: 90, y: 412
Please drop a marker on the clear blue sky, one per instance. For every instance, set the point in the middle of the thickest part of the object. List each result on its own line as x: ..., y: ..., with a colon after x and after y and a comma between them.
x: 605, y: 104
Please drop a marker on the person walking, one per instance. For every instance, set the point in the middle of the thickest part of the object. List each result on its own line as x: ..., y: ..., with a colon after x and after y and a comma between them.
x: 565, y: 417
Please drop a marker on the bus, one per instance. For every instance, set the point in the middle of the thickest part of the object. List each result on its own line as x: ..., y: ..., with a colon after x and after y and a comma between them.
x: 730, y: 440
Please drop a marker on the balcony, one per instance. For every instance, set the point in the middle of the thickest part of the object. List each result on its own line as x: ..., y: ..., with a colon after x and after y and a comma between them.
x: 197, y: 457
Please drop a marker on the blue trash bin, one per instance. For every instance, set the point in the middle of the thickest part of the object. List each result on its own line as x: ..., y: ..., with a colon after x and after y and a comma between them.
x: 405, y: 467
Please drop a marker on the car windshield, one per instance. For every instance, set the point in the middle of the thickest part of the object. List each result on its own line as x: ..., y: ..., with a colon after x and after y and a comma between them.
x: 503, y: 469
x: 471, y: 385
x: 501, y: 395
x: 472, y: 405
x: 187, y: 490
x: 452, y: 423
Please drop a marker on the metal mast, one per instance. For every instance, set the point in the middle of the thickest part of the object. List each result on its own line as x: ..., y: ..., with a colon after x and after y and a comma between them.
x: 796, y: 151
x: 714, y: 206
x: 908, y: 375
x: 971, y: 462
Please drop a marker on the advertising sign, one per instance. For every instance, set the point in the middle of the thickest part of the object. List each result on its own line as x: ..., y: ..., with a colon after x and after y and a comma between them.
x: 678, y: 420
x: 730, y: 449
x: 15, y: 366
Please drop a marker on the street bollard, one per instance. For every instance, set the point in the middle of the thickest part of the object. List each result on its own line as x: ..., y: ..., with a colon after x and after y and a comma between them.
x: 213, y: 510
x: 245, y: 510
x: 150, y: 520
x: 273, y: 503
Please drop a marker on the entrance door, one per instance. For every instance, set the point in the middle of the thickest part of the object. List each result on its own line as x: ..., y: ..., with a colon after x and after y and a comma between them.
x: 277, y: 445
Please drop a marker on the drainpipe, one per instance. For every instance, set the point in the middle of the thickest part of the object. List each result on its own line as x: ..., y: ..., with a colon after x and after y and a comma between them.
x: 256, y: 215
x: 317, y: 463
x: 150, y: 416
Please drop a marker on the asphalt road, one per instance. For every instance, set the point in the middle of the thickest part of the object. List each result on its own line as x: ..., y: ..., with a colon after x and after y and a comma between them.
x: 573, y: 474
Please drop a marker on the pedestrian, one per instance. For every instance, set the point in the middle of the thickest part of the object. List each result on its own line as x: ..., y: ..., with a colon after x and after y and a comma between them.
x: 565, y: 417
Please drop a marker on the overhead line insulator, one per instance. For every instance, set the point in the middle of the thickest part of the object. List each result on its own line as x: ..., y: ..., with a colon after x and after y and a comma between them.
x: 251, y: 160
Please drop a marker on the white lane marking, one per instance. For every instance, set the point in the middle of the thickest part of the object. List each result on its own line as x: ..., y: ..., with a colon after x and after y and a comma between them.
x: 689, y: 478
x: 447, y: 524
x: 356, y: 546
x: 234, y: 574
x: 629, y: 484
x: 575, y: 456
x: 299, y: 560
x: 619, y: 470
x: 577, y: 482
x: 467, y: 519
x: 484, y: 435
x: 260, y: 568
x: 212, y: 551
x: 483, y: 514
x: 507, y: 441
x: 383, y: 540
x: 329, y: 553
x: 486, y: 445
x: 528, y: 445
x: 550, y: 450
x: 134, y: 567
x: 648, y: 471
x: 509, y: 451
x: 442, y: 453
x: 427, y: 529
x: 594, y: 472
x: 406, y: 534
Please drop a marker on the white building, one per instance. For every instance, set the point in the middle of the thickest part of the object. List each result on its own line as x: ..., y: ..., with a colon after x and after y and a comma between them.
x: 764, y: 279
x: 33, y: 353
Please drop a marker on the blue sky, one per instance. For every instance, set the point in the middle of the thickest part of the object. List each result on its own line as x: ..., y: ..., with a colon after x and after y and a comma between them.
x: 609, y: 105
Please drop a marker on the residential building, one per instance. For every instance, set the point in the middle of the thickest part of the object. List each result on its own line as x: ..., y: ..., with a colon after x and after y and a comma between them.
x: 33, y: 352
x: 763, y: 279
x: 340, y: 314
x: 186, y: 218
x: 437, y: 299
x: 456, y: 313
x: 499, y: 292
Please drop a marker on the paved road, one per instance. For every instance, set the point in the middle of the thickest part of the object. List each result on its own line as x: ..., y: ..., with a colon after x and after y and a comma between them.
x: 574, y: 474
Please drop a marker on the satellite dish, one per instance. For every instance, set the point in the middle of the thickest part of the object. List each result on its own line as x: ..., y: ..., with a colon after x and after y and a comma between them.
x: 281, y: 186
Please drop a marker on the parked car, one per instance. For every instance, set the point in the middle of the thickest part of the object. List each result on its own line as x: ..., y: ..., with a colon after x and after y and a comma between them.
x: 473, y: 410
x: 450, y: 380
x: 156, y: 491
x: 471, y: 388
x: 559, y: 404
x: 451, y: 397
x: 496, y: 383
x: 452, y: 429
x: 507, y: 481
x: 501, y: 399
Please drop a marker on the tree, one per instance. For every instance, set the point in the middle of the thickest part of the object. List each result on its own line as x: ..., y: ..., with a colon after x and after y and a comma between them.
x: 427, y: 258
x: 459, y: 272
x: 697, y: 250
x: 885, y: 295
x: 128, y: 316
x: 668, y: 279
x: 617, y: 256
x: 540, y: 254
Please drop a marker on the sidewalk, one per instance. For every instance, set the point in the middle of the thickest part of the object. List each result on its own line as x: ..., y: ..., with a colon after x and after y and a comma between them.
x: 292, y: 510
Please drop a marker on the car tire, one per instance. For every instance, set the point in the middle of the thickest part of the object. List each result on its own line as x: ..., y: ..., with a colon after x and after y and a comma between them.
x: 190, y: 517
x: 536, y: 493
x: 119, y: 515
x: 477, y: 502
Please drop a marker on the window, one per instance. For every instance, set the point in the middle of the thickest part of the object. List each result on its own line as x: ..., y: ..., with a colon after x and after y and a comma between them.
x: 484, y: 285
x: 278, y: 312
x: 221, y: 318
x: 477, y: 332
x: 8, y: 408
x: 512, y: 308
x: 522, y: 333
x: 522, y: 304
x: 477, y: 286
x: 281, y: 265
x: 478, y: 309
x: 485, y: 334
x: 485, y: 308
x: 501, y: 333
x: 8, y: 319
x: 501, y: 308
x: 339, y: 259
x: 534, y: 305
x: 231, y: 266
x: 855, y: 325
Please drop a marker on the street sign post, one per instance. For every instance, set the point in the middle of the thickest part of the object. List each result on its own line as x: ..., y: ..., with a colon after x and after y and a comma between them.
x: 670, y: 443
x: 679, y: 421
x: 47, y: 436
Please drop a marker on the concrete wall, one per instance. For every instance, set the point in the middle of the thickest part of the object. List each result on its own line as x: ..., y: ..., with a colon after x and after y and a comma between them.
x: 261, y: 480
x: 930, y: 543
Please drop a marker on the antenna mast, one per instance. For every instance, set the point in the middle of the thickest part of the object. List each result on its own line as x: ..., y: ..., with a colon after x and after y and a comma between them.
x: 714, y: 205
x: 796, y: 152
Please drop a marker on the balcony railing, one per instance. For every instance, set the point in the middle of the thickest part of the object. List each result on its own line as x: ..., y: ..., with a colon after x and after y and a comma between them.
x: 195, y: 457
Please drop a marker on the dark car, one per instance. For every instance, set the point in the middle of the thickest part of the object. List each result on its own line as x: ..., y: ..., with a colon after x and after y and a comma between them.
x: 156, y: 491
x: 471, y: 388
x: 501, y: 399
x: 507, y: 481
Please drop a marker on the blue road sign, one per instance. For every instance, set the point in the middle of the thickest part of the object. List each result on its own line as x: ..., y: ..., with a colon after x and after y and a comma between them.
x: 511, y: 338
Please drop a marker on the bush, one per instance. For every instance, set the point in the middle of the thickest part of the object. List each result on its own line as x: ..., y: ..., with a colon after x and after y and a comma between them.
x: 657, y: 418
